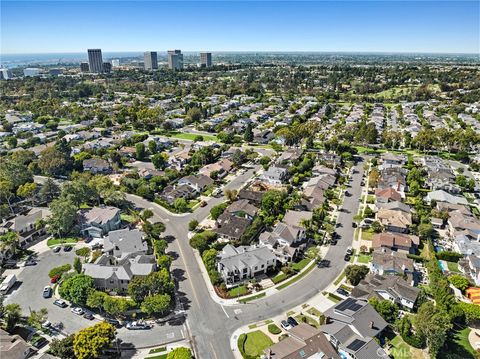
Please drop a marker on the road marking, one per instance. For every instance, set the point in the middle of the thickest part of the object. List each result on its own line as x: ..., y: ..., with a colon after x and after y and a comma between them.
x: 171, y: 335
x: 213, y: 349
x: 225, y: 311
x: 237, y: 311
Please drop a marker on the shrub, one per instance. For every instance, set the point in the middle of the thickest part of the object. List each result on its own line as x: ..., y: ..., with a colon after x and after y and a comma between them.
x: 449, y: 256
x: 58, y: 271
x: 415, y: 257
x: 272, y: 328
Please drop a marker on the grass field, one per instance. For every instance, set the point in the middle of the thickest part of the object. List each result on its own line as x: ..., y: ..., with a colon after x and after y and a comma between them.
x: 191, y: 136
x: 238, y: 291
x: 459, y: 345
x: 300, y: 265
x: 367, y: 234
x: 364, y: 258
x: 401, y: 350
x: 453, y: 267
x: 252, y: 344
x: 58, y: 241
x: 340, y: 278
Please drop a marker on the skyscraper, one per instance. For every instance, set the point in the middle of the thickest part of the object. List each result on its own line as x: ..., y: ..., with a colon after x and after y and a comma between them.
x: 175, y: 59
x: 84, y: 67
x: 95, y: 60
x: 150, y: 61
x: 205, y: 59
x: 6, y: 74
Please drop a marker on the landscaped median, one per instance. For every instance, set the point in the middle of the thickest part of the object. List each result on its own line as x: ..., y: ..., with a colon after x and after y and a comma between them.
x: 53, y: 242
x: 252, y: 345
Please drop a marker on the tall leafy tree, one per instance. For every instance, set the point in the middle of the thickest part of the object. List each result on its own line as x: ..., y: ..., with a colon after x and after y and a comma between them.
x: 89, y: 343
x: 62, y: 217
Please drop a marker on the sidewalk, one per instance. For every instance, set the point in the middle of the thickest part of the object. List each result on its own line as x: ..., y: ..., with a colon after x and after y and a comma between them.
x: 145, y: 353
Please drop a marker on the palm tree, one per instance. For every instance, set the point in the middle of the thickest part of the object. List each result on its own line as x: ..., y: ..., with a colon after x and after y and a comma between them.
x: 9, y: 241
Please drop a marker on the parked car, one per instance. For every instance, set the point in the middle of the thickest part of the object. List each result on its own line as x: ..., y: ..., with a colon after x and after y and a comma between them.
x: 54, y: 279
x: 354, y: 225
x: 113, y: 322
x: 60, y: 303
x: 46, y: 324
x: 347, y: 257
x: 343, y: 292
x: 203, y: 204
x: 39, y: 342
x: 47, y: 292
x: 67, y: 248
x: 78, y: 311
x: 324, y: 263
x: 140, y: 325
x: 285, y: 325
x: 349, y: 250
x: 88, y: 316
x: 292, y: 321
x: 10, y: 264
x: 56, y: 249
x: 333, y: 242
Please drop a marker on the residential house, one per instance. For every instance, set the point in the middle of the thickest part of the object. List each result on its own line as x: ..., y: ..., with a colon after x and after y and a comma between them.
x: 396, y: 242
x: 470, y: 266
x: 237, y: 264
x: 242, y: 208
x: 171, y: 193
x: 394, y: 206
x: 392, y: 288
x: 394, y: 221
x: 221, y: 168
x: 385, y: 261
x: 229, y: 227
x: 199, y: 182
x: 390, y: 160
x: 394, y: 177
x: 386, y: 195
x: 28, y: 226
x: 330, y: 159
x: 352, y: 326
x: 290, y: 156
x: 125, y: 257
x: 320, y: 170
x: 254, y: 197
x: 442, y: 196
x: 179, y: 159
x: 14, y: 346
x: 98, y: 221
x: 274, y: 175
x: 96, y: 166
x: 304, y: 341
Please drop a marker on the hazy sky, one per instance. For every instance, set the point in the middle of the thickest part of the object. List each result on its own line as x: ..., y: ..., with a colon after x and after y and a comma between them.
x: 385, y: 26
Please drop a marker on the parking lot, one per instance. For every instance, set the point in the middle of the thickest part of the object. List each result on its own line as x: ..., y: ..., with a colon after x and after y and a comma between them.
x: 28, y: 290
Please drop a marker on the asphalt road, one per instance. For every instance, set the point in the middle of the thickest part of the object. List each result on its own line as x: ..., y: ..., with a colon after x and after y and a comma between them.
x: 212, y: 324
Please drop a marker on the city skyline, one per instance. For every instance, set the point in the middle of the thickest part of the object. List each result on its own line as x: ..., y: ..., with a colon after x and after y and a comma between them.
x: 372, y: 27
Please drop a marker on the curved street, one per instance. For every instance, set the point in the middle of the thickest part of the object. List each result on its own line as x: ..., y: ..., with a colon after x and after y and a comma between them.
x: 211, y: 324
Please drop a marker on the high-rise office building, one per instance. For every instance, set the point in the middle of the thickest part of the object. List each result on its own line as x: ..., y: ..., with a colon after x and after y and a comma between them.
x: 84, y: 67
x: 95, y: 60
x: 6, y: 74
x: 205, y: 59
x: 175, y: 59
x: 107, y: 67
x: 150, y: 61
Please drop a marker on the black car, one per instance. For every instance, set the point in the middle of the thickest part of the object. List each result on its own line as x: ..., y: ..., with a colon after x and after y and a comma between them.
x: 113, y: 322
x: 354, y: 225
x: 10, y: 264
x: 30, y: 262
x: 323, y: 263
x: 88, y: 316
x: 67, y: 248
x: 343, y: 292
x: 56, y: 249
x: 347, y: 257
x: 333, y: 242
x: 292, y: 321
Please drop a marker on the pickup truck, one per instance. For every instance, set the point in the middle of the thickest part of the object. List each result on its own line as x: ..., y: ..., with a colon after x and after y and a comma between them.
x: 7, y: 283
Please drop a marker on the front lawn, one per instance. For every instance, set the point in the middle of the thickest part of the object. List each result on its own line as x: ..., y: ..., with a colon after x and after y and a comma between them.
x: 59, y: 241
x: 364, y: 258
x: 191, y: 136
x: 300, y: 265
x: 367, y: 234
x: 401, y: 350
x: 252, y: 344
x: 238, y: 291
x: 127, y: 218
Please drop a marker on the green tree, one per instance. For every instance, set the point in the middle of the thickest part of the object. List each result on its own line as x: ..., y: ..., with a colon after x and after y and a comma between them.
x: 62, y: 218
x: 89, y: 343
x: 388, y: 310
x: 62, y: 348
x: 53, y: 162
x: 155, y: 304
x: 27, y: 190
x: 459, y: 282
x: 248, y: 135
x: 77, y: 288
x: 265, y: 161
x: 180, y: 353
x: 9, y: 242
x: 140, y: 151
x: 217, y: 210
x: 194, y: 114
x: 192, y: 225
x: 115, y: 306
x: 49, y: 190
x: 160, y: 160
x: 77, y: 265
x: 433, y: 324
x: 96, y: 299
x: 37, y: 317
x: 355, y: 273
x: 180, y: 205
x: 12, y: 314
x: 58, y: 271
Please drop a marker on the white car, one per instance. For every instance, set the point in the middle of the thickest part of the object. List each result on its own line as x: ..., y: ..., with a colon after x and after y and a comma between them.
x: 46, y: 324
x: 137, y: 325
x: 285, y: 325
x: 77, y: 311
